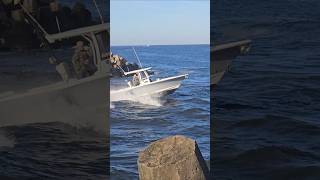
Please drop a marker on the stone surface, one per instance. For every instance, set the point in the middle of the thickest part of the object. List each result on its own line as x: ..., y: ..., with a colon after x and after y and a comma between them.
x: 172, y: 158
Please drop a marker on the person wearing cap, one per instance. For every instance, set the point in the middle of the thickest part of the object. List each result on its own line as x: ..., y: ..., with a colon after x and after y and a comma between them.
x: 135, y: 79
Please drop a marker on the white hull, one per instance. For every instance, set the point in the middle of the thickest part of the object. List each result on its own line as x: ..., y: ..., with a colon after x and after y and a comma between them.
x: 78, y: 102
x: 156, y: 88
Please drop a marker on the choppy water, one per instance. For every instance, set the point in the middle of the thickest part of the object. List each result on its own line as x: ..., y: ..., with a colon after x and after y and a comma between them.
x: 135, y: 124
x: 266, y: 114
x: 52, y: 151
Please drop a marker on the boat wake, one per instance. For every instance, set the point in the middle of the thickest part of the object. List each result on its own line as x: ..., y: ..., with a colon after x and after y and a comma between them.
x: 146, y: 100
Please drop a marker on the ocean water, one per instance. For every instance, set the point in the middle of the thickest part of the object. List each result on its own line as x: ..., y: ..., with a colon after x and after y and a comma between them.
x: 52, y: 151
x: 266, y: 109
x: 135, y: 124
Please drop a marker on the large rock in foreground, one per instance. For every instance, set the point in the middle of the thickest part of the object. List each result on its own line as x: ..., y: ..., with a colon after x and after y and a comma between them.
x: 172, y: 158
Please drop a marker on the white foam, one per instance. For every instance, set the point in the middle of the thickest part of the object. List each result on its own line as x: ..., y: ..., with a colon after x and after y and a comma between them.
x: 147, y: 100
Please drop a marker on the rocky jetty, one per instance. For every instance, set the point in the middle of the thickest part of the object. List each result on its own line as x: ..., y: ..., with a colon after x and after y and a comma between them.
x: 120, y: 64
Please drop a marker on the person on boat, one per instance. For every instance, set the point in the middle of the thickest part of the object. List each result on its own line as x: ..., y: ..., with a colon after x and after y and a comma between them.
x: 81, y: 60
x: 135, y: 79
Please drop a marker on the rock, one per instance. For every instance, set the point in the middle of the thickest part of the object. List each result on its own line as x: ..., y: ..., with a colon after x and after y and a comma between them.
x: 172, y: 158
x: 118, y: 63
x: 6, y: 2
x: 116, y: 57
x: 17, y: 15
x: 31, y: 5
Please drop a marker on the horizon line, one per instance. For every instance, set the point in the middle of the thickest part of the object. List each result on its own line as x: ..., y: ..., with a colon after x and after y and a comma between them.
x: 160, y: 44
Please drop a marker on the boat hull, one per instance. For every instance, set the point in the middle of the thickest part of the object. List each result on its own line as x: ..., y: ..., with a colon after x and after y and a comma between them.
x: 78, y: 102
x: 222, y: 55
x: 157, y: 88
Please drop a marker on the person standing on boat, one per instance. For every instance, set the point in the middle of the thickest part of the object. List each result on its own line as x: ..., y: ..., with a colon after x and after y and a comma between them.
x: 135, y: 79
x: 81, y: 60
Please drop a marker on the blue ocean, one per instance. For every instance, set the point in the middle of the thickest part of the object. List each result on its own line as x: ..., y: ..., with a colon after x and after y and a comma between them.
x: 266, y: 109
x: 135, y: 124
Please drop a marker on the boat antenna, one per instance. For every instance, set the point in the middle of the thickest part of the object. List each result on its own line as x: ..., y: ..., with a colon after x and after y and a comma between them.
x: 58, y: 25
x: 40, y: 32
x: 137, y: 56
x: 96, y: 5
x: 121, y: 69
x: 34, y: 21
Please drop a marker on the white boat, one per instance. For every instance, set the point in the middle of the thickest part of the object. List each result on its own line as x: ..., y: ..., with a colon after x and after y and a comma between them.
x: 146, y: 87
x: 82, y: 102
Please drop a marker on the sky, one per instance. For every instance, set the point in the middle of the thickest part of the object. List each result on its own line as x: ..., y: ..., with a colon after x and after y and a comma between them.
x: 159, y: 22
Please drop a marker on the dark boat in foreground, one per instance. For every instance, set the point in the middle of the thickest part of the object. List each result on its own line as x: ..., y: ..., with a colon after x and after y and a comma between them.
x: 222, y: 55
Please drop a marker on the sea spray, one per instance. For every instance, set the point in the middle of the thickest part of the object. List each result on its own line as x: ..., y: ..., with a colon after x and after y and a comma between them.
x: 147, y: 100
x: 111, y: 105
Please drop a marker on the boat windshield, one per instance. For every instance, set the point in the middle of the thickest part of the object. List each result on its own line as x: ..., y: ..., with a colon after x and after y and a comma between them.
x: 142, y: 75
x: 103, y: 45
x: 144, y: 78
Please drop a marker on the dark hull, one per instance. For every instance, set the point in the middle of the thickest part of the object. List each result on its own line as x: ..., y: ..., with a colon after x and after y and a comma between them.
x: 222, y: 55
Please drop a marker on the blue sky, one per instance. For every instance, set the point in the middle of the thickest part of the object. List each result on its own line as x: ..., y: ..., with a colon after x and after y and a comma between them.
x: 141, y: 22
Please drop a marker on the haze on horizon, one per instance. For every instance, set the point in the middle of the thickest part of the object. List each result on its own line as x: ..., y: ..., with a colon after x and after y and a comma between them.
x: 159, y: 22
